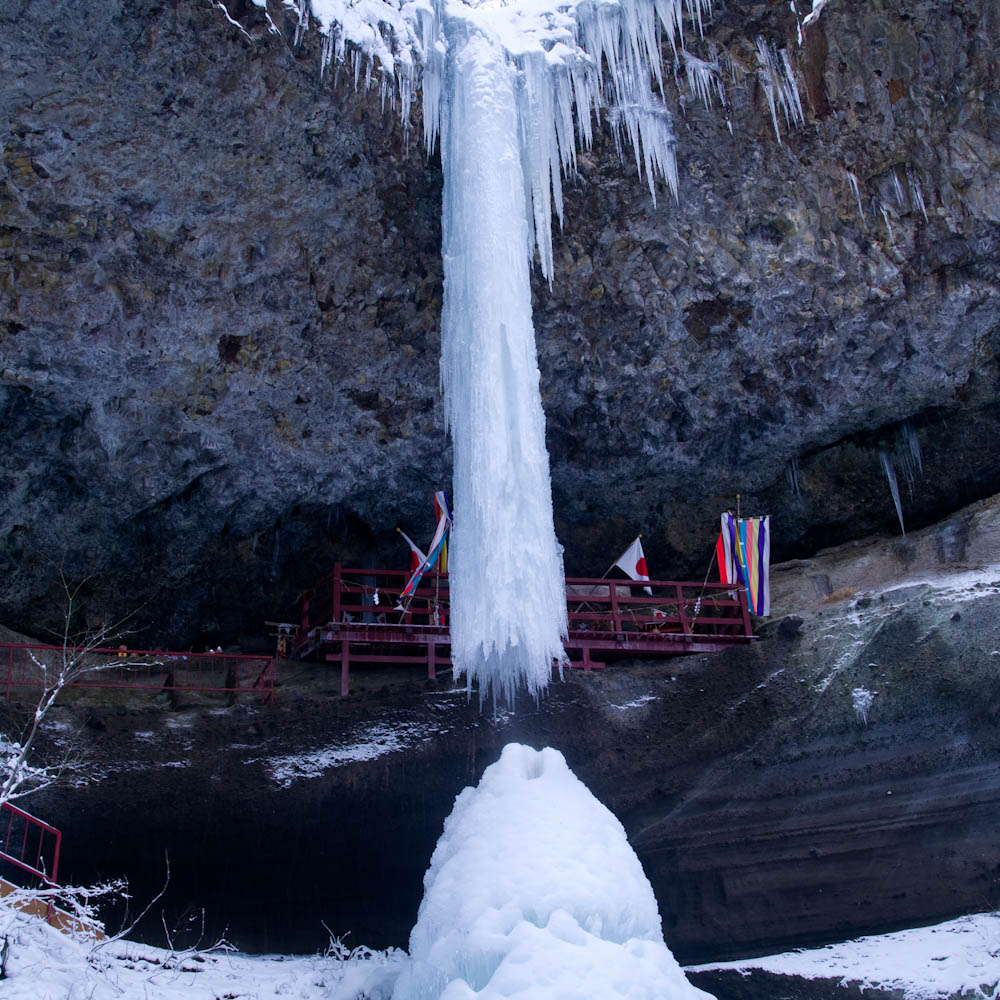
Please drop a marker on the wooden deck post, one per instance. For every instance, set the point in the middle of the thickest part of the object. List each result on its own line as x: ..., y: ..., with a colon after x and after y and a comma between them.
x: 748, y: 628
x: 685, y: 625
x: 345, y: 668
x: 616, y: 621
x: 431, y: 660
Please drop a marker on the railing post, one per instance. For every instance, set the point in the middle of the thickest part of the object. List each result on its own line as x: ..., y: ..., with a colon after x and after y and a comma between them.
x: 748, y: 628
x: 345, y: 668
x: 336, y: 592
x: 616, y: 622
x: 431, y: 657
x: 269, y: 683
x: 55, y: 856
x: 685, y: 627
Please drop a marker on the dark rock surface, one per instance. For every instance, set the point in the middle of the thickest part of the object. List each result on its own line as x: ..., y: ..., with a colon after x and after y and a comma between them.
x: 761, y: 985
x: 220, y: 285
x: 771, y: 804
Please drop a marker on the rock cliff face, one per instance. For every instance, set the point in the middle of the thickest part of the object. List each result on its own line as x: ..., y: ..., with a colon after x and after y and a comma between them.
x: 838, y: 778
x: 220, y: 285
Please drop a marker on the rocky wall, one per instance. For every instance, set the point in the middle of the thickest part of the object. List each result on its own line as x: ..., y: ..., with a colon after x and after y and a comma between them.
x: 220, y: 286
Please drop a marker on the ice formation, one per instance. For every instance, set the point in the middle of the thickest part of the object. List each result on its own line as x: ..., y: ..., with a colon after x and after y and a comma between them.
x: 907, y: 454
x: 534, y: 892
x: 508, y: 608
x: 512, y: 90
x: 890, y: 474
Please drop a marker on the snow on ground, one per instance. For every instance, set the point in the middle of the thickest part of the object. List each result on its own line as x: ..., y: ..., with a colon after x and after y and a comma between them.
x: 964, y: 585
x: 636, y: 702
x: 958, y: 957
x: 370, y: 742
x: 533, y: 892
x: 45, y: 964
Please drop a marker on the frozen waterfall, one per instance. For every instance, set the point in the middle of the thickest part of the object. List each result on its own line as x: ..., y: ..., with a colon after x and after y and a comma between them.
x: 512, y: 88
x: 508, y: 602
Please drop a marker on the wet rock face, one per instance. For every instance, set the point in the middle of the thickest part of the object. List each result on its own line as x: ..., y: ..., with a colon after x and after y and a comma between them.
x: 221, y: 283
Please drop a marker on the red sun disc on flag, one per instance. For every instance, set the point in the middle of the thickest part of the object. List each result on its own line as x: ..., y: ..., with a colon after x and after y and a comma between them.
x: 640, y: 568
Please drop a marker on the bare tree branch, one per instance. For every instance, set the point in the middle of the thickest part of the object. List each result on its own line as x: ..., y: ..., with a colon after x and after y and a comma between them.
x: 75, y: 658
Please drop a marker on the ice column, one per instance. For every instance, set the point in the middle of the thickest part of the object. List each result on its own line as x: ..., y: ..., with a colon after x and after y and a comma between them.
x: 508, y: 603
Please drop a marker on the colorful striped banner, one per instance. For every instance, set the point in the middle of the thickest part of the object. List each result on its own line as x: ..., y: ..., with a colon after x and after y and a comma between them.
x: 744, y: 550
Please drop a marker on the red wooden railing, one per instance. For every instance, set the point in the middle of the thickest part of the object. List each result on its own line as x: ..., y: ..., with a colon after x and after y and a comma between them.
x: 30, y: 843
x: 36, y: 666
x: 354, y: 617
x: 369, y: 596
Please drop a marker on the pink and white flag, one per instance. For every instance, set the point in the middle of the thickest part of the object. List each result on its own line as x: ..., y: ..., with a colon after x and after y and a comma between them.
x: 417, y: 557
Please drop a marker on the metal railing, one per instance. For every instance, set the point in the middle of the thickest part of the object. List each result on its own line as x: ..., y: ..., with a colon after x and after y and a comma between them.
x: 35, y: 666
x: 354, y: 617
x: 30, y: 843
x: 369, y: 596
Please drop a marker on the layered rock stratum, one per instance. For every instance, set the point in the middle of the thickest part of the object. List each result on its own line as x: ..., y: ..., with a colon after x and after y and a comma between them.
x: 220, y: 287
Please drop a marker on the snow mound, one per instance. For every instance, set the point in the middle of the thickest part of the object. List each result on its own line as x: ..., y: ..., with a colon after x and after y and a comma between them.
x: 534, y: 892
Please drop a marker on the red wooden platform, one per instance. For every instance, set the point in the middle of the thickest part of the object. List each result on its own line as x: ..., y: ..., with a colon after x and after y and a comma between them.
x: 352, y: 619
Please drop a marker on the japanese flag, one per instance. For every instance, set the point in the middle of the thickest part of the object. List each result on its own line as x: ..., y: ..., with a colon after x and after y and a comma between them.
x: 633, y: 563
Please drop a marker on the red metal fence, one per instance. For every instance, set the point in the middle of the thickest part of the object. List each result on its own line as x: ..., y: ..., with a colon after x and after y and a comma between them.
x: 354, y: 617
x: 30, y: 843
x: 37, y: 667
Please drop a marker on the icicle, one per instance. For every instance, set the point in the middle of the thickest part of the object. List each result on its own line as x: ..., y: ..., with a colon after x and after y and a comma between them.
x: 857, y: 193
x: 901, y: 200
x: 912, y: 443
x: 778, y: 82
x: 301, y: 8
x: 861, y: 700
x: 890, y: 475
x: 909, y: 455
x: 703, y: 79
x: 792, y: 475
x: 916, y: 191
x: 888, y: 223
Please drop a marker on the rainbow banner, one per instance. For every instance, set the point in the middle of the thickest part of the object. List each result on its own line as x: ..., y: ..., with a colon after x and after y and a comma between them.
x: 744, y: 550
x: 441, y: 510
x: 434, y: 551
